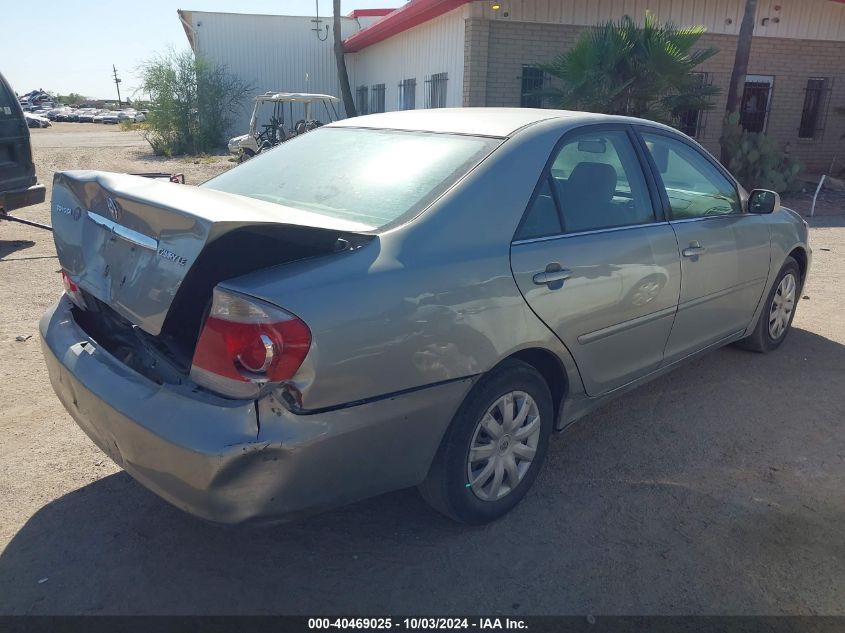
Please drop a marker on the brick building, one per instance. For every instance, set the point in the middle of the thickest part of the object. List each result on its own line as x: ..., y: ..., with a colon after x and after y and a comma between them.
x: 453, y: 53
x: 435, y: 53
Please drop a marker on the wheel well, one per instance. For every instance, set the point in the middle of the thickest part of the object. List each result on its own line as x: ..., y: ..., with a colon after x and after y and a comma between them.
x: 800, y: 256
x: 550, y: 367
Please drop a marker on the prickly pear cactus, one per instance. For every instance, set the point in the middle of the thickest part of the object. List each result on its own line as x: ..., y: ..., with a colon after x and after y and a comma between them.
x: 757, y: 161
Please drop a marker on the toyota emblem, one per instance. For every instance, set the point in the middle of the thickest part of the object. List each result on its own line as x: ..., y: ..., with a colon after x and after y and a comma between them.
x: 114, y: 210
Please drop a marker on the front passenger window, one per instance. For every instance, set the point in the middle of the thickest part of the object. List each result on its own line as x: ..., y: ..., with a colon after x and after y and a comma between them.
x: 695, y: 187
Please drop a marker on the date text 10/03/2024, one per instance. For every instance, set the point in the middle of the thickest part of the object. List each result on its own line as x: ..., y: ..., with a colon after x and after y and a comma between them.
x: 413, y: 624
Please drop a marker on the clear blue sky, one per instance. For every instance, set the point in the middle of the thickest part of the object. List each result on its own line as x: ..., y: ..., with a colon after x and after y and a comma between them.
x: 67, y: 46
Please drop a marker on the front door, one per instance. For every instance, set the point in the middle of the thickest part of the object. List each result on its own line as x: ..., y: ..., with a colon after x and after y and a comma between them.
x: 595, y: 262
x: 724, y: 251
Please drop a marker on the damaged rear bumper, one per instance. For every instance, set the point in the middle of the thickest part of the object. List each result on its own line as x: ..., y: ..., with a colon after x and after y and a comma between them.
x: 236, y: 461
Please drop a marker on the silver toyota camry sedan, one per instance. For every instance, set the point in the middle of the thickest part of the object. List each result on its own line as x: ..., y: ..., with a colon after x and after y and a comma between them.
x: 405, y: 299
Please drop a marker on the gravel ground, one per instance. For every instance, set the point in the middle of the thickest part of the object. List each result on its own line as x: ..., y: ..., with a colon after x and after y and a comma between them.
x: 717, y: 489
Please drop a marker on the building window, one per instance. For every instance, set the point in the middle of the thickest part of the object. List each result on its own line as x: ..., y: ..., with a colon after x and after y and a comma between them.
x: 361, y: 99
x: 692, y: 122
x: 377, y: 98
x: 811, y: 114
x: 407, y: 94
x: 435, y: 90
x: 756, y: 100
x: 533, y: 79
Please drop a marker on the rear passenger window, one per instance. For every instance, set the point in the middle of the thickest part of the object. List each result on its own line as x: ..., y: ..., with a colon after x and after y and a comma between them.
x: 542, y: 217
x: 599, y: 184
x: 694, y: 186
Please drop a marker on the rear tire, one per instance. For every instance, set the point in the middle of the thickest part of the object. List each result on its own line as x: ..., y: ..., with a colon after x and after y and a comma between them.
x: 494, y: 447
x: 778, y: 311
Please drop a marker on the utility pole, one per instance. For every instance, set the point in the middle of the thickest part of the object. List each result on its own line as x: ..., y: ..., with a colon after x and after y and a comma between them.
x: 117, y: 84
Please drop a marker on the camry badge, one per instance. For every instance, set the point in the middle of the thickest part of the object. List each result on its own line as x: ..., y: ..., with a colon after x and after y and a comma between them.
x: 172, y: 257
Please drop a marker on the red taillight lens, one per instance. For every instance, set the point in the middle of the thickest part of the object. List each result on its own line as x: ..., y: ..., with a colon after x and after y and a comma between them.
x: 72, y: 290
x: 68, y: 283
x: 246, y: 343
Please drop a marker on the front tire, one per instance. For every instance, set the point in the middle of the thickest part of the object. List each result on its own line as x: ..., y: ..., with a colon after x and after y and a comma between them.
x: 778, y: 311
x: 494, y: 447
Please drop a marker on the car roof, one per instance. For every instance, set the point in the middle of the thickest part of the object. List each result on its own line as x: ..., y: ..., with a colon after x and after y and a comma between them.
x: 498, y: 122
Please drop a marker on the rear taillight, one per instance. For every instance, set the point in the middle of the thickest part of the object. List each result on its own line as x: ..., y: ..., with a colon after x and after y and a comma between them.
x: 72, y: 290
x: 246, y: 344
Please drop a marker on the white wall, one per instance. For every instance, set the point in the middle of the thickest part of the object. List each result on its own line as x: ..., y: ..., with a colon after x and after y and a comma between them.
x: 798, y: 19
x: 433, y: 47
x: 272, y: 52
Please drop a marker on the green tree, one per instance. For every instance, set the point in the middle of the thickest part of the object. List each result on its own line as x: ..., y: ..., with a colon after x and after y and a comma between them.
x: 72, y: 98
x: 194, y: 99
x: 646, y: 71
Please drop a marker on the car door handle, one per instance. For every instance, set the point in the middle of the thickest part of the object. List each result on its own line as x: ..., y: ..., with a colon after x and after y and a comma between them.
x: 551, y: 276
x: 693, y: 250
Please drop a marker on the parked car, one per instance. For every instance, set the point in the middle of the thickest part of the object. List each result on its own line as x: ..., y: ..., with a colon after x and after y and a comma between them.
x: 100, y: 116
x: 111, y: 117
x: 87, y: 115
x: 18, y: 183
x: 56, y: 113
x: 401, y: 299
x: 36, y: 120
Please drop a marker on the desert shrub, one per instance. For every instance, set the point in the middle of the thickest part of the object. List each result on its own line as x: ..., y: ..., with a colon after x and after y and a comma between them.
x: 194, y: 103
x: 757, y: 161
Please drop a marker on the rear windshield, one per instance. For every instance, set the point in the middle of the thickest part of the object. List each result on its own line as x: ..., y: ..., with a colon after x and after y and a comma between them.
x: 374, y: 177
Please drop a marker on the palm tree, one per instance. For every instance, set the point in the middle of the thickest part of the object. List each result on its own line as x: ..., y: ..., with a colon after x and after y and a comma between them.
x: 622, y: 68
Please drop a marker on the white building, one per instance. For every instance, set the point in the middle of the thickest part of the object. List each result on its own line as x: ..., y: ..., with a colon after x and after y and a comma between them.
x: 278, y: 53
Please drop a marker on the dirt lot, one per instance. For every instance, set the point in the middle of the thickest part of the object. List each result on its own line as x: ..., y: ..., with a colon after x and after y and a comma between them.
x: 717, y: 489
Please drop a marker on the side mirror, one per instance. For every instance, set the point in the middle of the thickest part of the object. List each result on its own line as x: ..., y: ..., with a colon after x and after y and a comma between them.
x: 763, y: 201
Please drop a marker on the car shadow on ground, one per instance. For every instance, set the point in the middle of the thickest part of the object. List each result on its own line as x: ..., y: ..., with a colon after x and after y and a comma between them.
x: 714, y: 489
x: 9, y: 247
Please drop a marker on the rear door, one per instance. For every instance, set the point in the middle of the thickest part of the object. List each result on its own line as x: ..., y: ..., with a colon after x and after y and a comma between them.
x: 16, y: 168
x: 725, y: 251
x: 595, y: 259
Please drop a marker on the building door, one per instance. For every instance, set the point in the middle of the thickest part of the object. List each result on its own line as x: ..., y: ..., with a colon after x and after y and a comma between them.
x: 756, y: 100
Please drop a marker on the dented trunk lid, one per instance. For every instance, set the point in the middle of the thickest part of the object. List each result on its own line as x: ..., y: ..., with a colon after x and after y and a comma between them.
x: 131, y: 241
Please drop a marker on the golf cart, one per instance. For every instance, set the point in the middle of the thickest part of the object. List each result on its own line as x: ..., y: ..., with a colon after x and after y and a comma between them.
x: 283, y: 108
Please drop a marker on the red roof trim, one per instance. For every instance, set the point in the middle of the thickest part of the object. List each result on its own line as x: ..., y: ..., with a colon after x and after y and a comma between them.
x: 368, y: 13
x: 413, y: 14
